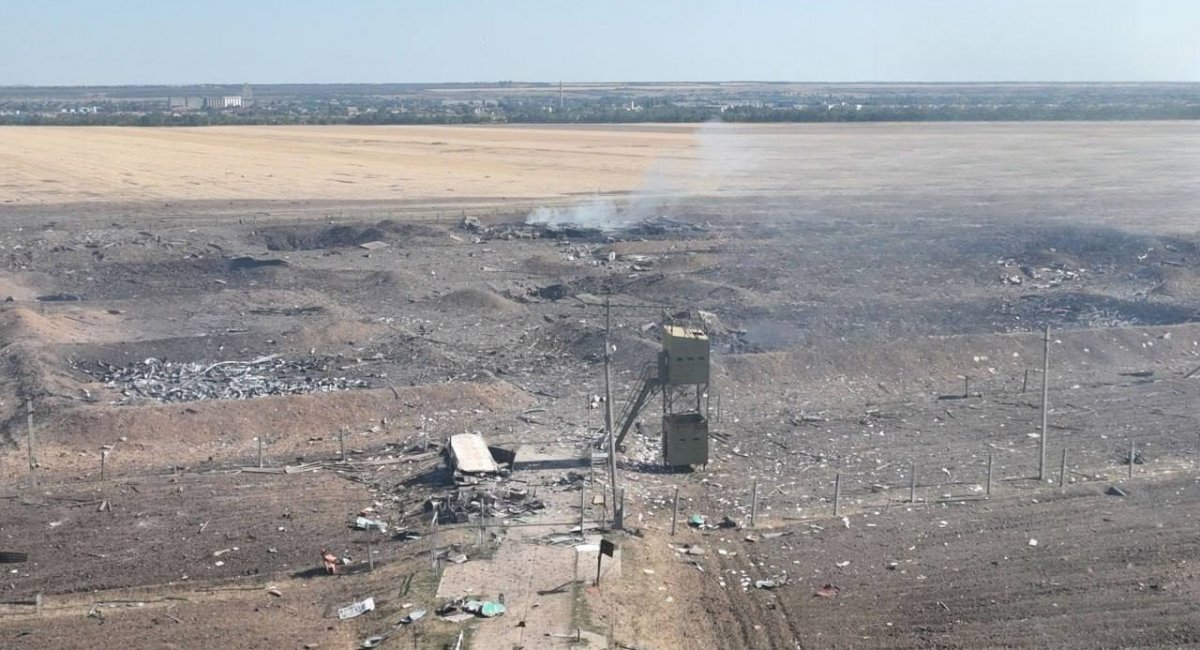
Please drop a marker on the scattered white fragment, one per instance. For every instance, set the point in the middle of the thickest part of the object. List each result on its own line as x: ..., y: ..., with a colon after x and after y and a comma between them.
x: 1033, y: 542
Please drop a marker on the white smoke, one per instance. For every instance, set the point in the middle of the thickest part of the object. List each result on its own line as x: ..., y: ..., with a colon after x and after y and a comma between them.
x: 720, y: 154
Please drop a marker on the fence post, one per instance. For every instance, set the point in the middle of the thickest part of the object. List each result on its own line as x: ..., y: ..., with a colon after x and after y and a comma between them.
x: 675, y: 511
x: 260, y: 463
x: 753, y: 504
x: 1132, y: 454
x: 988, y: 491
x: 582, y: 496
x: 837, y: 494
x: 103, y: 457
x: 912, y: 485
x: 29, y: 443
x: 1062, y: 469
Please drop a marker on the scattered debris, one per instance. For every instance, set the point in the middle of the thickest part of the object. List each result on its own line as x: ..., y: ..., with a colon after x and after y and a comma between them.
x: 770, y: 583
x: 461, y: 609
x: 1116, y: 491
x: 363, y: 523
x: 1033, y: 542
x: 484, y: 608
x: 356, y: 609
x: 827, y: 591
x: 60, y: 297
x: 169, y: 381
x: 413, y: 616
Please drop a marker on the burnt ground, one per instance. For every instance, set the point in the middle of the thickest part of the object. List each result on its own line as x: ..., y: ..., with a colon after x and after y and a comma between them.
x: 842, y: 340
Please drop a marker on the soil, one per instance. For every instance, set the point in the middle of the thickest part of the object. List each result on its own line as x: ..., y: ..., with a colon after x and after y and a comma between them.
x: 876, y: 297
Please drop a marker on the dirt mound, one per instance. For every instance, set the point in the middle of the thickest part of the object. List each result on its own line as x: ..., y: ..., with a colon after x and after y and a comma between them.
x: 338, y: 334
x: 305, y: 237
x: 1178, y: 283
x: 479, y: 301
x: 183, y: 433
x: 585, y: 341
x: 833, y: 368
x: 76, y: 326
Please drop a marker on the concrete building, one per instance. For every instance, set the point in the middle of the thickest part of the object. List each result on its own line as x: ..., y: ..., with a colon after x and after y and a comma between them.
x: 225, y: 101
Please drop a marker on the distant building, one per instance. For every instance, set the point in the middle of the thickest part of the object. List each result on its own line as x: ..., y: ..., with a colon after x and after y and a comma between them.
x: 226, y: 101
x: 185, y: 103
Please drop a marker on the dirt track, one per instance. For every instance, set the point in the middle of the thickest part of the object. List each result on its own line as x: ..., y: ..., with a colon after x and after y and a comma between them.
x: 852, y: 288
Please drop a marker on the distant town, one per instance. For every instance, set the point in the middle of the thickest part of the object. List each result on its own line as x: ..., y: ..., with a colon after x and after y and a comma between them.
x: 591, y: 103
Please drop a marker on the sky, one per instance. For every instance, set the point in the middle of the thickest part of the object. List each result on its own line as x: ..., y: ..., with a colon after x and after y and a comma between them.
x: 115, y: 42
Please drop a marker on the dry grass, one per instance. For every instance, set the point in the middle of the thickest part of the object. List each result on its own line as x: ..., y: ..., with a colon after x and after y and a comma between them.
x: 1101, y: 170
x: 66, y: 165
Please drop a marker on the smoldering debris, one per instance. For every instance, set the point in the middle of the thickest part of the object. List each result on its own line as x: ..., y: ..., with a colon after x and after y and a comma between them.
x: 587, y: 231
x: 169, y: 381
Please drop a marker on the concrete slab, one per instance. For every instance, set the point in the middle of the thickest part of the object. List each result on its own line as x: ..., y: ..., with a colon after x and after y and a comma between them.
x: 471, y: 455
x: 550, y: 457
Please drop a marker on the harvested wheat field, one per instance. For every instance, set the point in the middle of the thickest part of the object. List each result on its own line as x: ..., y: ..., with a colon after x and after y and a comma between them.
x: 238, y: 341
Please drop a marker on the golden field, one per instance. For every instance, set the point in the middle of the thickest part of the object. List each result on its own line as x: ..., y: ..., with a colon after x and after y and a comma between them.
x: 1099, y: 170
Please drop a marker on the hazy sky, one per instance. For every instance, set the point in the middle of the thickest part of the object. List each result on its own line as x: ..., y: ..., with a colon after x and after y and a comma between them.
x: 72, y: 42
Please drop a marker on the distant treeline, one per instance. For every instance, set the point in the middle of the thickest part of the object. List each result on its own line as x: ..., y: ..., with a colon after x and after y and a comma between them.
x: 600, y: 115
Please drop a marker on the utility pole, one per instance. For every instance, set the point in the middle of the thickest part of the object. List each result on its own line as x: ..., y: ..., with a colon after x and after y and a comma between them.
x: 618, y: 516
x: 1045, y: 404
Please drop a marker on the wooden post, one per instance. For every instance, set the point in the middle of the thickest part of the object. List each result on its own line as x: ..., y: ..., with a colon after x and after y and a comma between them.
x: 582, y: 505
x: 103, y: 456
x: 1062, y: 469
x: 988, y: 491
x: 675, y: 511
x: 753, y: 504
x: 837, y: 494
x: 29, y: 443
x: 482, y: 518
x: 1132, y: 455
x: 966, y: 386
x: 1045, y: 404
x: 621, y: 506
x: 718, y: 408
x: 1025, y: 381
x: 260, y: 463
x: 370, y: 555
x: 433, y: 550
x: 912, y: 485
x: 342, y: 444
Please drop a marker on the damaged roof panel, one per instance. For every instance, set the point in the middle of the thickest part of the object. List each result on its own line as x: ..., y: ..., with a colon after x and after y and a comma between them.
x: 471, y: 455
